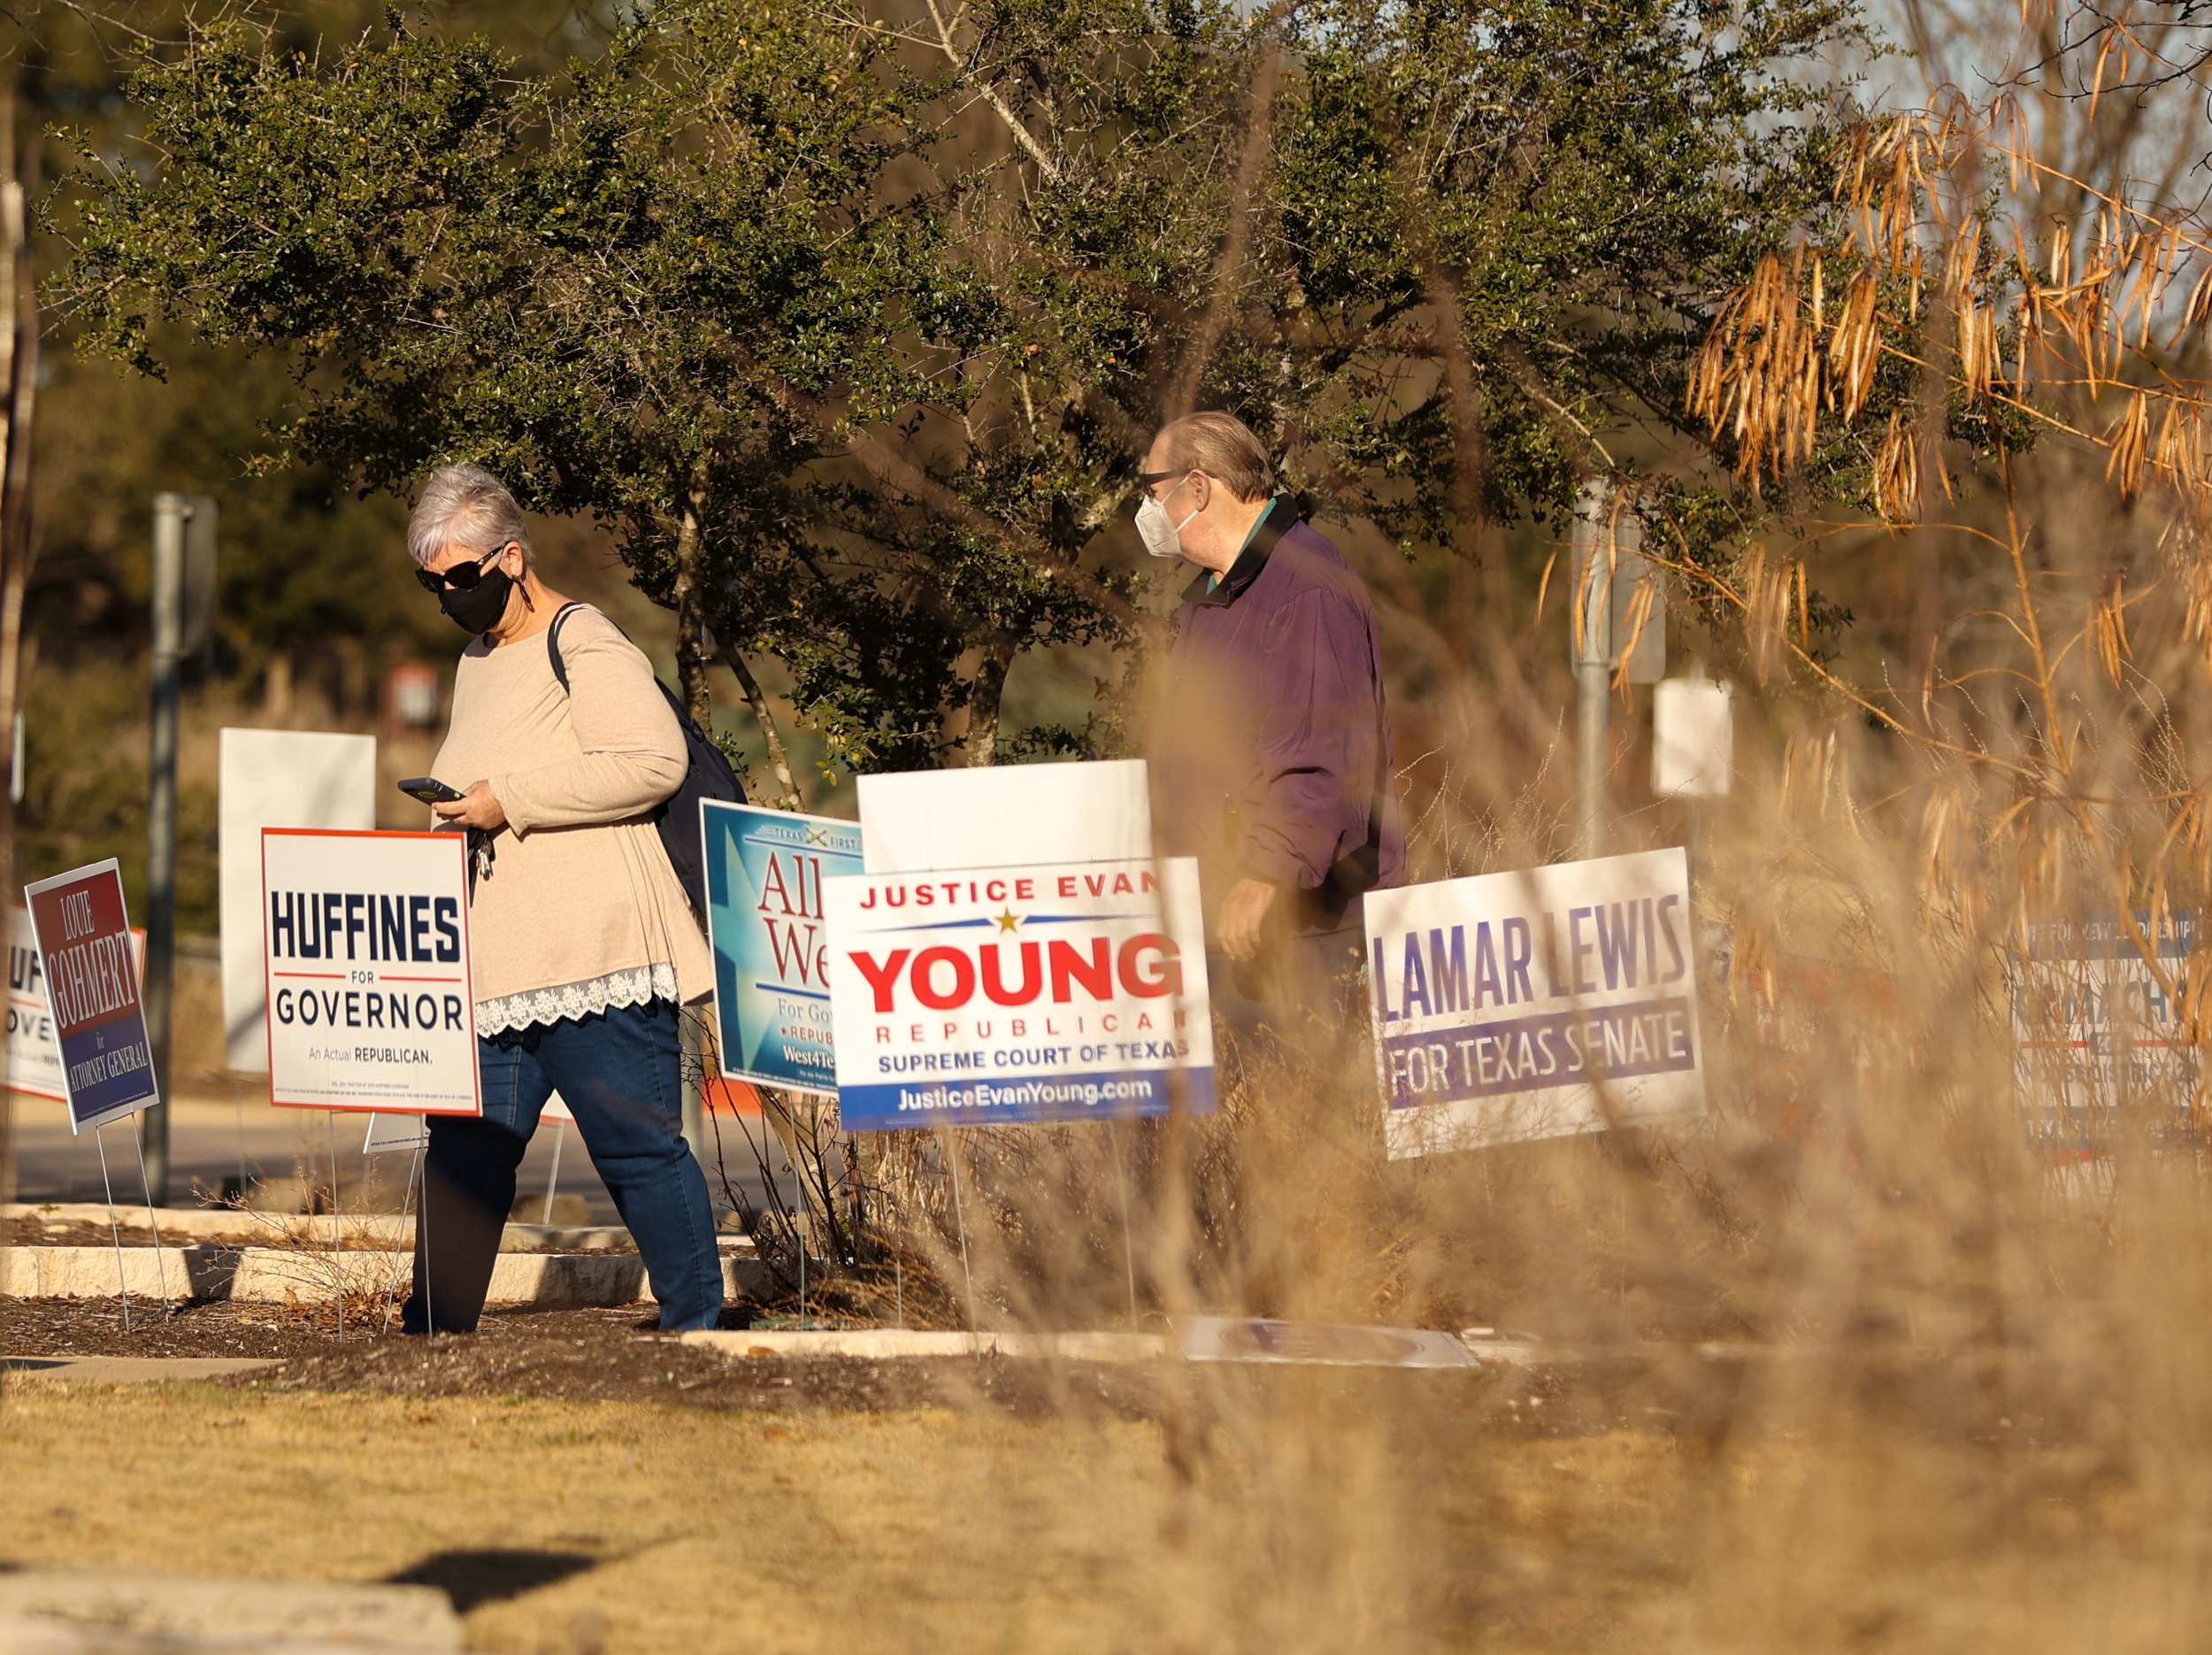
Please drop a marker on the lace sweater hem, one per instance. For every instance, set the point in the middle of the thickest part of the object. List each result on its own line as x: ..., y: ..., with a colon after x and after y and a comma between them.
x: 588, y: 998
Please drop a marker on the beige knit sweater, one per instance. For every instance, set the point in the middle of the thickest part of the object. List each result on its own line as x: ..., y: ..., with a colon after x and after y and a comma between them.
x: 580, y: 911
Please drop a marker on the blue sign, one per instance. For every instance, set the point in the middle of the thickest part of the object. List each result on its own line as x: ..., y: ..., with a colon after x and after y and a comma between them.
x: 91, y: 968
x: 765, y: 873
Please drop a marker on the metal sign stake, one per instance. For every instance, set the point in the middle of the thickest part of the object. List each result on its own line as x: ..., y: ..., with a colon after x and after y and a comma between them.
x: 122, y: 1282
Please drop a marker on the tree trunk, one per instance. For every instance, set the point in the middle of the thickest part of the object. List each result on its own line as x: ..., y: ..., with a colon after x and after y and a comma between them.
x: 970, y: 732
x: 19, y: 374
x: 691, y: 613
x: 779, y: 758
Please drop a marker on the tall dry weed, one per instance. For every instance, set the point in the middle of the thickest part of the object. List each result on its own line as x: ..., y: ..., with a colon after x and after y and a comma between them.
x: 1882, y: 1353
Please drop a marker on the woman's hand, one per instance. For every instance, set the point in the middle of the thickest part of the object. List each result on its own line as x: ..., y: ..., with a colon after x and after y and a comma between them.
x: 477, y: 807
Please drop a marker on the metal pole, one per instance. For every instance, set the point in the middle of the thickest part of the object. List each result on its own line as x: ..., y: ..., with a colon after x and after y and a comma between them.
x: 553, y: 1182
x: 1594, y: 735
x: 695, y: 1067
x: 161, y: 829
x: 1594, y: 590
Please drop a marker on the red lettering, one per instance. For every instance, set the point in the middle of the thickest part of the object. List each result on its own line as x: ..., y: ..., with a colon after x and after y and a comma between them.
x: 882, y: 976
x: 1033, y: 976
x: 1150, y: 966
x: 1095, y: 974
x: 925, y: 978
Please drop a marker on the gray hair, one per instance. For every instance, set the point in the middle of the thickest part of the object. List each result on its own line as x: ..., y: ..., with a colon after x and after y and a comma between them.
x: 467, y: 507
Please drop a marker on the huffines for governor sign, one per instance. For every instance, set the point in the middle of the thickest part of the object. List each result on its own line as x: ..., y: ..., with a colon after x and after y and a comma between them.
x: 364, y: 937
x: 1061, y: 993
x: 1532, y: 1004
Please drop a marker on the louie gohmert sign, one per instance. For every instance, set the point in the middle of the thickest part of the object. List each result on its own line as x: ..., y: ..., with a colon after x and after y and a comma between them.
x: 1532, y: 1005
x: 91, y: 970
x: 366, y: 944
x: 34, y: 1066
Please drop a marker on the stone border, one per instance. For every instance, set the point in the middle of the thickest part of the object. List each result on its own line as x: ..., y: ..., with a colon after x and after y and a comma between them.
x: 219, y: 1224
x: 883, y: 1342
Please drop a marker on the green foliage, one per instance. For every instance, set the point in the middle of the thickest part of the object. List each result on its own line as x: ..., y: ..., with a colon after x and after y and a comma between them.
x: 1560, y: 192
x: 897, y: 346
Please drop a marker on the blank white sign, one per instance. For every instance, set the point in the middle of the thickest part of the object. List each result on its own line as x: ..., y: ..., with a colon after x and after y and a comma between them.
x: 276, y: 779
x: 1693, y: 738
x: 1005, y: 816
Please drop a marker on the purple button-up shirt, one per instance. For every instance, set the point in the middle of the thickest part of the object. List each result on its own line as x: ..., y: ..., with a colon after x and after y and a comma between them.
x: 1273, y: 760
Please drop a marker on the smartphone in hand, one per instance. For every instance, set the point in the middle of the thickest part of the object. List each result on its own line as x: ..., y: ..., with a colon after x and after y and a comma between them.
x: 430, y: 790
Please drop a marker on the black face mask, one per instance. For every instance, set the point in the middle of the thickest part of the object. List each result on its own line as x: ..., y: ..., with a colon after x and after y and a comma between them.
x: 477, y: 609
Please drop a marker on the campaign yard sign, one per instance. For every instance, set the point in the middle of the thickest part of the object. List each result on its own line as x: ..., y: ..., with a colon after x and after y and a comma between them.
x: 275, y: 778
x: 91, y: 970
x: 34, y: 1054
x: 1070, y: 991
x: 1535, y: 1005
x: 365, y: 949
x: 2094, y: 1029
x: 764, y: 873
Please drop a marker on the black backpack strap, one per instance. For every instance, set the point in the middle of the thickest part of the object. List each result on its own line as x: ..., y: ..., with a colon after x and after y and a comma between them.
x: 553, y: 645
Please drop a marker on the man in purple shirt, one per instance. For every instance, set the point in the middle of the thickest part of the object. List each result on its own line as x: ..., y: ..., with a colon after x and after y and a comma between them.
x: 1272, y: 763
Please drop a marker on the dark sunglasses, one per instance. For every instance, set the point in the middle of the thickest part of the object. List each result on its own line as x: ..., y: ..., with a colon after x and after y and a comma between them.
x: 462, y: 577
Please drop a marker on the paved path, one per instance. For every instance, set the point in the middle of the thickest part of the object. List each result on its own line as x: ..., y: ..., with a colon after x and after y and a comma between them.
x: 129, y: 1370
x: 211, y: 1141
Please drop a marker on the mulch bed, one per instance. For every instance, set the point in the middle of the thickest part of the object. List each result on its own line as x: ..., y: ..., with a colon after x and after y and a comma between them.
x: 615, y: 1355
x: 35, y: 1232
x: 574, y: 1355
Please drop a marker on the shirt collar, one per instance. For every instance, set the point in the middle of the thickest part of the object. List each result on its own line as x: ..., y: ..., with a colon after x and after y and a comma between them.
x: 1281, y: 514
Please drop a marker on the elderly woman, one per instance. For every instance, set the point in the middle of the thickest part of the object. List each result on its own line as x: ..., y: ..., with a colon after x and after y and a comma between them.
x: 583, y: 942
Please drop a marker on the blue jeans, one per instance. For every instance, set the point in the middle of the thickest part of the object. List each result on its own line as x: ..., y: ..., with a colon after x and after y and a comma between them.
x: 620, y: 1072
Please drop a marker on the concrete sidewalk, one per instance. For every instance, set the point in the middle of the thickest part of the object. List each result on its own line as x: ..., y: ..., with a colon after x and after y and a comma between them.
x: 81, y: 1611
x: 129, y: 1370
x: 214, y: 1143
x: 302, y: 1275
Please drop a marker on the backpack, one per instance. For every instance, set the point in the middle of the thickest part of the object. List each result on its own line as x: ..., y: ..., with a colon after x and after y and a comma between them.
x: 707, y: 775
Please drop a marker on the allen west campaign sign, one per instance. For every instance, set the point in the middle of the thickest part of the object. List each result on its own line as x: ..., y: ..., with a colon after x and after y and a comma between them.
x: 764, y: 873
x: 1532, y: 1004
x: 91, y: 970
x: 366, y: 946
x: 1069, y: 992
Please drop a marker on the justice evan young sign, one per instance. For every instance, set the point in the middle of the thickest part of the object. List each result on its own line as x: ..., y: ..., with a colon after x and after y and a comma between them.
x: 1069, y: 992
x: 1532, y: 1004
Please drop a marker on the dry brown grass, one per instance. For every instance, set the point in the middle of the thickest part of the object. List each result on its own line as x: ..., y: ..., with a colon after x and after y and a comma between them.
x: 1969, y: 1408
x: 1321, y: 1514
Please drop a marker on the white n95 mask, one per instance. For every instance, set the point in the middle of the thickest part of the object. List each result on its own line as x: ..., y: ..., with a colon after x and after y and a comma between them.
x: 1162, y: 537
